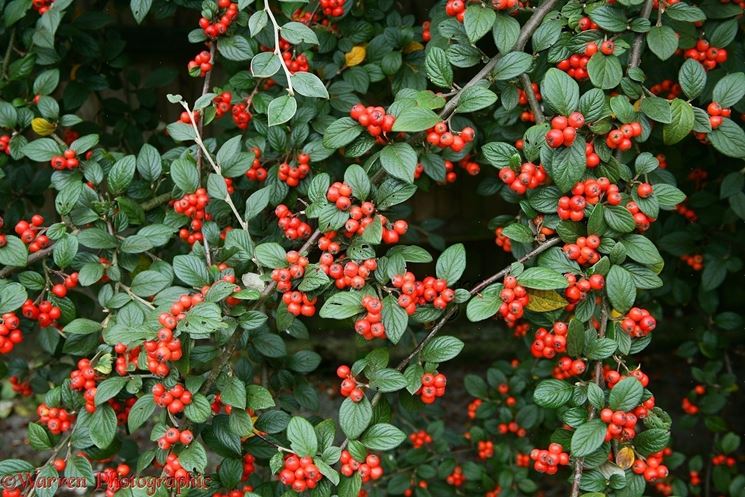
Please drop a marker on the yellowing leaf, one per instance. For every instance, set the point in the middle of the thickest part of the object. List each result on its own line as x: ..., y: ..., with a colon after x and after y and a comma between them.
x: 615, y: 314
x: 545, y: 301
x: 625, y: 458
x: 355, y: 56
x: 42, y: 127
x: 413, y: 46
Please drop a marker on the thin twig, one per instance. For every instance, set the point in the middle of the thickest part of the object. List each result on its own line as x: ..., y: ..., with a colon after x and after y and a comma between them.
x: 277, y: 50
x: 525, y: 33
x: 535, y: 107
x: 8, y: 51
x: 635, y: 56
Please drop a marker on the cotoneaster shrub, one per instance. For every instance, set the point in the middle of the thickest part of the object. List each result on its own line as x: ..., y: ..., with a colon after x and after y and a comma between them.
x: 165, y: 280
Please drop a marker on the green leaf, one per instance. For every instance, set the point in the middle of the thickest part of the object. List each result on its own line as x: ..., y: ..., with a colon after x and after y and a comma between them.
x: 383, y: 436
x: 618, y: 218
x: 394, y: 319
x: 451, y: 263
x: 475, y: 98
x: 302, y: 437
x: 140, y: 412
x: 438, y: 68
x: 552, y: 393
x: 414, y: 119
x: 41, y: 150
x: 542, y: 278
x: 354, y: 417
x: 588, y: 438
x: 191, y: 270
x: 193, y: 458
x: 265, y: 65
x: 341, y: 305
x: 139, y: 9
x: 506, y: 31
x: 604, y: 70
x: 82, y: 326
x: 626, y: 394
x: 657, y: 109
x: 692, y: 77
x: 12, y: 297
x: 14, y: 253
x: 281, y: 109
x: 271, y: 255
x: 399, y: 160
x: 681, y: 123
x: 478, y: 21
x: 642, y: 250
x: 483, y: 306
x: 512, y: 65
x: 729, y: 90
x: 620, y: 288
x: 103, y: 426
x: 729, y: 139
x: 662, y: 41
x: 560, y: 91
x: 441, y: 349
x: 38, y: 437
x: 309, y: 85
x: 387, y: 380
x: 651, y: 441
x: 185, y: 175
x: 341, y: 132
x: 109, y: 388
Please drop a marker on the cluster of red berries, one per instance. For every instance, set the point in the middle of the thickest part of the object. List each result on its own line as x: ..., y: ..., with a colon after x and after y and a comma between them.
x: 200, y: 65
x: 441, y: 136
x: 485, y: 449
x: 216, y: 405
x: 577, y: 289
x: 20, y: 387
x: 370, y: 325
x: 235, y: 492
x: 502, y: 240
x: 122, y: 408
x: 429, y: 290
x: 576, y: 65
x: 426, y: 34
x: 10, y: 333
x: 612, y: 377
x: 695, y: 261
x: 84, y: 378
x: 174, y: 399
x: 223, y: 103
x: 42, y: 6
x: 294, y: 228
x: 586, y: 24
x: 667, y: 88
x: 522, y: 99
x: 256, y: 172
x: 299, y: 473
x: 193, y: 205
x: 294, y: 63
x: 723, y: 460
x: 368, y: 470
x: 717, y: 113
x: 249, y: 466
x: 30, y: 233
x: 586, y: 192
x: 166, y: 347
x: 620, y: 138
x: 374, y: 119
x: 420, y: 438
x: 299, y: 303
x: 340, y: 194
x: 456, y: 478
x: 392, y: 232
x: 332, y: 8
x: 708, y: 56
x: 514, y: 299
x: 529, y: 177
x: 173, y: 436
x: 522, y: 460
x: 549, y: 343
x: 456, y: 8
x: 293, y: 175
x: 621, y: 425
x: 5, y: 144
x: 45, y: 313
x: 433, y: 386
x: 548, y: 461
x: 58, y: 420
x: 327, y: 243
x: 473, y: 406
x: 566, y: 367
x: 687, y: 213
x: 471, y: 167
x: 68, y: 160
x: 641, y: 220
x: 60, y: 289
x: 173, y: 468
x: 214, y: 27
x: 638, y: 322
x: 351, y: 275
x: 583, y: 250
x: 592, y: 160
x: 564, y: 130
x: 349, y: 386
x: 241, y: 115
x: 296, y: 270
x: 689, y: 407
x: 651, y: 467
x: 112, y: 478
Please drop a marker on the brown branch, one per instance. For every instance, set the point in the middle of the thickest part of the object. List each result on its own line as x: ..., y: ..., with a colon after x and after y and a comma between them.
x: 535, y: 107
x: 635, y: 56
x: 598, y: 379
x: 525, y: 33
x: 8, y: 51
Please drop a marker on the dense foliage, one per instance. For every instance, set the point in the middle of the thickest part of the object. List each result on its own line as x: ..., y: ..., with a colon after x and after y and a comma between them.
x: 164, y: 283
